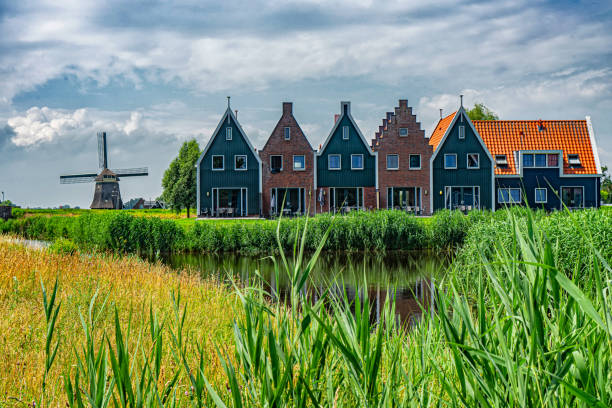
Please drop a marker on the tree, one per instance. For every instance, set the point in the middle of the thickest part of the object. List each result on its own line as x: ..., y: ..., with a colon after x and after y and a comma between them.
x: 481, y: 112
x: 179, y: 180
x: 606, y: 186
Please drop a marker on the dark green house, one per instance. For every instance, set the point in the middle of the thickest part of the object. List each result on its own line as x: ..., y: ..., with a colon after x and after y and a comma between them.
x: 461, y: 167
x: 229, y: 173
x: 346, y: 173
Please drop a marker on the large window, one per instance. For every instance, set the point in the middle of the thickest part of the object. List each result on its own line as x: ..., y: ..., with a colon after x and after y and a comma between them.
x: 450, y: 161
x: 464, y: 198
x: 287, y: 133
x: 540, y: 160
x: 392, y: 162
x: 228, y: 133
x: 404, y: 198
x: 276, y: 163
x: 572, y: 197
x: 334, y: 162
x: 218, y: 162
x: 356, y: 161
x: 240, y: 162
x: 508, y: 195
x: 299, y: 163
x: 345, y: 132
x: 415, y: 161
x: 473, y: 161
x: 346, y: 199
x: 541, y: 195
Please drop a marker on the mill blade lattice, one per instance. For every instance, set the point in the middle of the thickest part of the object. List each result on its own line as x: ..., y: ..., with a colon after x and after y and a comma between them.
x: 133, y: 172
x: 77, y: 178
x: 102, y: 156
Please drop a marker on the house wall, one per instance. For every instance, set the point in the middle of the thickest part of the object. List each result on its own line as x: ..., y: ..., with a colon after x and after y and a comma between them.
x: 462, y: 176
x: 288, y: 177
x: 549, y: 179
x: 392, y: 143
x: 229, y: 178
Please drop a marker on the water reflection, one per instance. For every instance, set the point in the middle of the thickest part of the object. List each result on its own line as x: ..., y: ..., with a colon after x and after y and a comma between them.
x: 405, y: 277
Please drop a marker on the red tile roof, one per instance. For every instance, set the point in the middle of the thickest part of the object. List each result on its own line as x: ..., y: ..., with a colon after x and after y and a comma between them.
x: 508, y: 136
x: 440, y: 130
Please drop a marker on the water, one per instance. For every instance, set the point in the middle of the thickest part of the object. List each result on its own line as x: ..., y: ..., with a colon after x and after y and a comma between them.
x: 407, y: 277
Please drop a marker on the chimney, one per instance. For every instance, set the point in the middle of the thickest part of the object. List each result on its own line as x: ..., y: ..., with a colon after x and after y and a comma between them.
x: 236, y: 113
x: 461, y: 99
x: 336, y: 117
x: 287, y: 108
x: 403, y: 103
x: 389, y: 115
x: 346, y: 107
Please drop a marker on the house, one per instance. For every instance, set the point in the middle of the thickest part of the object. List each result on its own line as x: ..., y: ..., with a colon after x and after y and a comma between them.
x: 346, y: 172
x: 461, y: 167
x: 403, y: 161
x: 229, y: 172
x: 544, y: 164
x: 287, y: 168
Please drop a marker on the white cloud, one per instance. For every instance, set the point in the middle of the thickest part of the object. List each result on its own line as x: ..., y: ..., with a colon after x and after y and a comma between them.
x: 42, y: 125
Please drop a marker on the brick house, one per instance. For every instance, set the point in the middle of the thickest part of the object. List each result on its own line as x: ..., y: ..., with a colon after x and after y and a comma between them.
x: 287, y: 168
x: 403, y: 161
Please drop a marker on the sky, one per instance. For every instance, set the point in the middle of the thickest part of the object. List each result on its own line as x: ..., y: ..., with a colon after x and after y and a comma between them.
x: 153, y: 74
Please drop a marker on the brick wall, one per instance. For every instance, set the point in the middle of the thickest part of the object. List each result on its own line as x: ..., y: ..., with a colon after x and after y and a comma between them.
x: 287, y: 178
x: 388, y: 141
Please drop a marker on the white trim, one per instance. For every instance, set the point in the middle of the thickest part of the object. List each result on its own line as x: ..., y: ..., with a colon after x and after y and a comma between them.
x: 362, y: 162
x: 535, y: 195
x: 414, y: 168
x: 593, y: 144
x: 467, y: 161
x: 387, y: 162
x: 456, y: 163
x: 473, y: 187
x: 246, y: 162
x: 340, y: 163
x: 461, y: 131
x: 212, y: 162
x: 510, y: 200
x: 299, y: 155
x: 276, y: 155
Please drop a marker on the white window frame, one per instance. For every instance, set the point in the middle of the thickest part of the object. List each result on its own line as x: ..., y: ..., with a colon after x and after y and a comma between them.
x: 456, y: 164
x: 572, y: 162
x: 403, y: 129
x: 345, y: 133
x: 461, y: 132
x: 362, y: 162
x: 500, y: 160
x: 339, y: 162
x: 228, y: 133
x: 510, y: 201
x: 276, y: 155
x: 212, y: 162
x: 410, y: 165
x: 467, y: 161
x: 393, y: 168
x: 536, y: 195
x: 246, y: 163
x: 287, y: 133
x: 303, y: 157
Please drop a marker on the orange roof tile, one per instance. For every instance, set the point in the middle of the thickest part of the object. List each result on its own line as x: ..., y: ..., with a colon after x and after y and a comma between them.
x: 504, y: 137
x: 440, y: 130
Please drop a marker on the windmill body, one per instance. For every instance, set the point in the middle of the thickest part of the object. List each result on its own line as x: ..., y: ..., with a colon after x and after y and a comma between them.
x: 106, y: 192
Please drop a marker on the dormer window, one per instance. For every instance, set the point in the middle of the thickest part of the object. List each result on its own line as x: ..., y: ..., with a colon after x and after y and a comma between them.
x: 573, y: 160
x: 228, y: 133
x: 501, y: 160
x: 553, y: 160
x: 345, y: 133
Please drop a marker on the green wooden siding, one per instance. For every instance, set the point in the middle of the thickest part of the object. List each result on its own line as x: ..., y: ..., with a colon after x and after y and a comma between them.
x: 462, y: 176
x: 229, y: 178
x: 346, y: 177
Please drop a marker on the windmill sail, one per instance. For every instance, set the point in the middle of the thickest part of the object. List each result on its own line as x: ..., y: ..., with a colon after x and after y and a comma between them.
x: 102, y: 156
x: 134, y: 172
x: 77, y: 178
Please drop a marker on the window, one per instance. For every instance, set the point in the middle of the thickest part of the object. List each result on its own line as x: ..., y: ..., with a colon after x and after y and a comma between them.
x: 392, y: 162
x: 528, y: 160
x: 334, y: 162
x: 450, y: 161
x: 228, y: 133
x: 461, y: 132
x: 541, y: 195
x: 276, y: 163
x: 240, y: 162
x: 345, y: 133
x: 403, y: 132
x: 573, y: 160
x: 553, y: 160
x: 287, y: 133
x: 356, y: 161
x: 473, y: 161
x: 540, y: 160
x: 415, y: 161
x: 501, y: 160
x: 509, y: 195
x: 572, y: 197
x: 299, y: 163
x: 218, y: 162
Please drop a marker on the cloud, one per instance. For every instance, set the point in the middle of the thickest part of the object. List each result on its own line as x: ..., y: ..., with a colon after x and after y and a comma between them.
x: 44, y: 125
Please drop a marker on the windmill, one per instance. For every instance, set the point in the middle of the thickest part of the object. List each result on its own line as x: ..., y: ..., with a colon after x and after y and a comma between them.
x: 106, y: 192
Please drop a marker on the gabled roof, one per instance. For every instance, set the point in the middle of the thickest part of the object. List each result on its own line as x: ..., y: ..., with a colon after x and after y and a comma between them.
x: 440, y: 130
x: 350, y: 117
x: 230, y: 114
x: 505, y: 137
